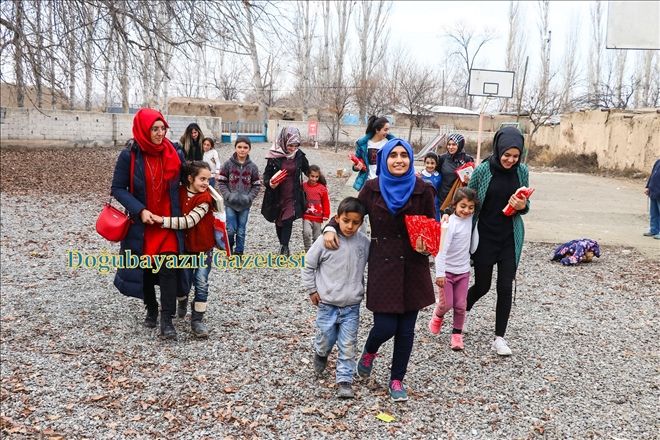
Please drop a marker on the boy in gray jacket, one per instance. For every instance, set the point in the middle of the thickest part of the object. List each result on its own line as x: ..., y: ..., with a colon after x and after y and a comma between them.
x: 334, y: 280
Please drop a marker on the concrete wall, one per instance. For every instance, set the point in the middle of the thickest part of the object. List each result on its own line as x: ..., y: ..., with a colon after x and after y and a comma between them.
x: 620, y: 139
x: 350, y: 133
x: 32, y: 127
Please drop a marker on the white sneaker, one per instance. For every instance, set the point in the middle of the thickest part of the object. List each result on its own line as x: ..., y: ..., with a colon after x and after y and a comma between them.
x: 499, y: 345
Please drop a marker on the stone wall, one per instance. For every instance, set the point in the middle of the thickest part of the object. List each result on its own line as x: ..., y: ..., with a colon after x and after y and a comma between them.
x: 48, y: 128
x: 621, y: 140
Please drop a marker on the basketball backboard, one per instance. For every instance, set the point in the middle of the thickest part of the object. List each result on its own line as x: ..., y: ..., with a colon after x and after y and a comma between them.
x: 493, y: 83
x: 633, y: 25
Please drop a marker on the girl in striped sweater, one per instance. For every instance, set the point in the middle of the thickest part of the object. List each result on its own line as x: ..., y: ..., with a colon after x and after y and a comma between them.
x: 197, y: 206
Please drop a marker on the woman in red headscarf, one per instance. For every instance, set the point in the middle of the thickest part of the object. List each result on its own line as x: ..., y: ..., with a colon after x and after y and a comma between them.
x: 145, y: 182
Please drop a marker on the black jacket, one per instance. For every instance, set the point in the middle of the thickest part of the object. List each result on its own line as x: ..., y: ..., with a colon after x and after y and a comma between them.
x: 270, y: 208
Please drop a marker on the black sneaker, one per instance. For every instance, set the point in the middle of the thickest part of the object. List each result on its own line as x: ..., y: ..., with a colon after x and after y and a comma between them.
x: 319, y: 363
x: 151, y: 320
x: 345, y: 390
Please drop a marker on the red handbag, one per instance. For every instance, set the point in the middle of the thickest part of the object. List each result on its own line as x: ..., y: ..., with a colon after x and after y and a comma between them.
x: 112, y: 224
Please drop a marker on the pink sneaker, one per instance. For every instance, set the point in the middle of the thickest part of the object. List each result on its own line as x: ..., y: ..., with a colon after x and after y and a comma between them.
x: 457, y: 342
x: 434, y: 324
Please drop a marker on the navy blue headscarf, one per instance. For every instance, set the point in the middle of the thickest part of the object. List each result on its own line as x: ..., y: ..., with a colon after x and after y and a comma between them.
x: 396, y: 190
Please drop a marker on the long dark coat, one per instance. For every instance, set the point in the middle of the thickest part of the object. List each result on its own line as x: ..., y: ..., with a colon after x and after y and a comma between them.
x: 270, y: 207
x: 399, y: 277
x: 129, y: 280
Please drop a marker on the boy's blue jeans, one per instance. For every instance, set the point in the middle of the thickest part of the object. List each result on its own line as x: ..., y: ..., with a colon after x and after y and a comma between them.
x: 338, y: 325
x: 654, y: 224
x: 236, y: 226
x: 198, y: 277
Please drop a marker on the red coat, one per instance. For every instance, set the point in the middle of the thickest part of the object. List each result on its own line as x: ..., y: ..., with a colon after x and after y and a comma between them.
x: 199, y: 238
x: 399, y: 278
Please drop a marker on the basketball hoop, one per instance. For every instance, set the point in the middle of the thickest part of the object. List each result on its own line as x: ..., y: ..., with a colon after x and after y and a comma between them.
x: 489, y: 84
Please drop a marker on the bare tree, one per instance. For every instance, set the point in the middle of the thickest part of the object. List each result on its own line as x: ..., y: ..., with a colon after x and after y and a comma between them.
x: 304, y: 28
x: 545, y: 34
x: 570, y: 67
x: 371, y: 27
x: 540, y: 108
x: 416, y: 87
x: 515, y: 48
x: 596, y: 49
x: 466, y: 45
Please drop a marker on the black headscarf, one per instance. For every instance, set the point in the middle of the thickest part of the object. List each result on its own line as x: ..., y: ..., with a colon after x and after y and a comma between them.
x: 506, y: 138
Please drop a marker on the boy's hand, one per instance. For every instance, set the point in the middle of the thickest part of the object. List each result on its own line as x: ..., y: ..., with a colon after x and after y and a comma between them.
x: 330, y: 240
x: 440, y: 281
x: 315, y: 298
x: 646, y: 191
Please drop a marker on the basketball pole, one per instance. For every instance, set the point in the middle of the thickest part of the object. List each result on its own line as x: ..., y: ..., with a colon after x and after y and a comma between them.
x: 481, y: 125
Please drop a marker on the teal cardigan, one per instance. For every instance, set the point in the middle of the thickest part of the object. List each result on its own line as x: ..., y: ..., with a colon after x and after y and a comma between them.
x: 479, y: 182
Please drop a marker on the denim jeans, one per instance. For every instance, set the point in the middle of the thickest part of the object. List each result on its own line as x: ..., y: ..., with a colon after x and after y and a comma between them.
x: 311, y: 231
x: 654, y: 224
x: 236, y: 228
x: 198, y: 277
x: 338, y: 325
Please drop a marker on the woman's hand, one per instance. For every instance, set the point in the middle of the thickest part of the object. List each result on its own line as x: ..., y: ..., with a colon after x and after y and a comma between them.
x: 420, y: 246
x: 157, y: 219
x: 330, y: 240
x: 315, y: 298
x: 273, y: 186
x: 147, y: 217
x: 518, y: 203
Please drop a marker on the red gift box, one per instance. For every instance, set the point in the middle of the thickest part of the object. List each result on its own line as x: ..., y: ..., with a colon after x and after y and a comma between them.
x: 465, y: 171
x: 278, y: 177
x: 359, y: 163
x: 221, y: 227
x: 523, y: 191
x: 426, y: 228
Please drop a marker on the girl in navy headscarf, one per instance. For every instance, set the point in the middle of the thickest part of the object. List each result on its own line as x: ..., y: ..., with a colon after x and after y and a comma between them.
x: 399, y: 282
x: 448, y: 162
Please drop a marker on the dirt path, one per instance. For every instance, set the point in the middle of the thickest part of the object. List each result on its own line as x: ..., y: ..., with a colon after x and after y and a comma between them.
x: 568, y: 206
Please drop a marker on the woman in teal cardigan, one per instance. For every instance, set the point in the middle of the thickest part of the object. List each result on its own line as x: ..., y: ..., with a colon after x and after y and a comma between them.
x: 496, y: 180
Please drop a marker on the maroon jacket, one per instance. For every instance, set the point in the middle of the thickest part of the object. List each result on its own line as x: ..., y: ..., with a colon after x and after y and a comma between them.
x: 399, y: 279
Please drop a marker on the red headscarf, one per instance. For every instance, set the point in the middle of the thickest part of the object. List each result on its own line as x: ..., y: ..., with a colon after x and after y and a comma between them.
x: 142, y: 122
x: 162, y: 166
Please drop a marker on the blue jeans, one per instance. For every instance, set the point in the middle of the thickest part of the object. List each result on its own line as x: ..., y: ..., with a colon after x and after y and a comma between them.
x: 236, y: 228
x: 654, y: 224
x: 338, y: 325
x: 198, y: 277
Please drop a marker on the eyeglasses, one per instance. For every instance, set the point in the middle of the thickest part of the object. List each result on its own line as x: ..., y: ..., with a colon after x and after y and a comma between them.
x: 159, y: 129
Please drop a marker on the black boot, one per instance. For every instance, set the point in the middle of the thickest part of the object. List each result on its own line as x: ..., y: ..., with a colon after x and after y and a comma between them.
x: 151, y: 320
x: 284, y: 250
x: 167, y: 330
x: 197, y: 325
x: 182, y: 307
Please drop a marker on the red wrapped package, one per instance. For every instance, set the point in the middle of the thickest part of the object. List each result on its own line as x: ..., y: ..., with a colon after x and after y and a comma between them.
x: 359, y: 163
x: 424, y: 229
x: 221, y: 228
x: 523, y: 191
x: 464, y: 172
x: 278, y: 177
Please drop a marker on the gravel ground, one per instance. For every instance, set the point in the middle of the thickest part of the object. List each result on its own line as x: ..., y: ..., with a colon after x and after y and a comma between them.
x: 77, y: 363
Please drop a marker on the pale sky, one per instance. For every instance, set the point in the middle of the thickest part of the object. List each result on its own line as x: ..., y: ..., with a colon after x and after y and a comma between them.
x: 419, y: 25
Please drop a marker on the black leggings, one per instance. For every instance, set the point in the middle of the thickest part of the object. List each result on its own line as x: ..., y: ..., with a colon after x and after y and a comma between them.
x: 284, y: 231
x: 483, y: 276
x: 400, y: 326
x: 166, y: 278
